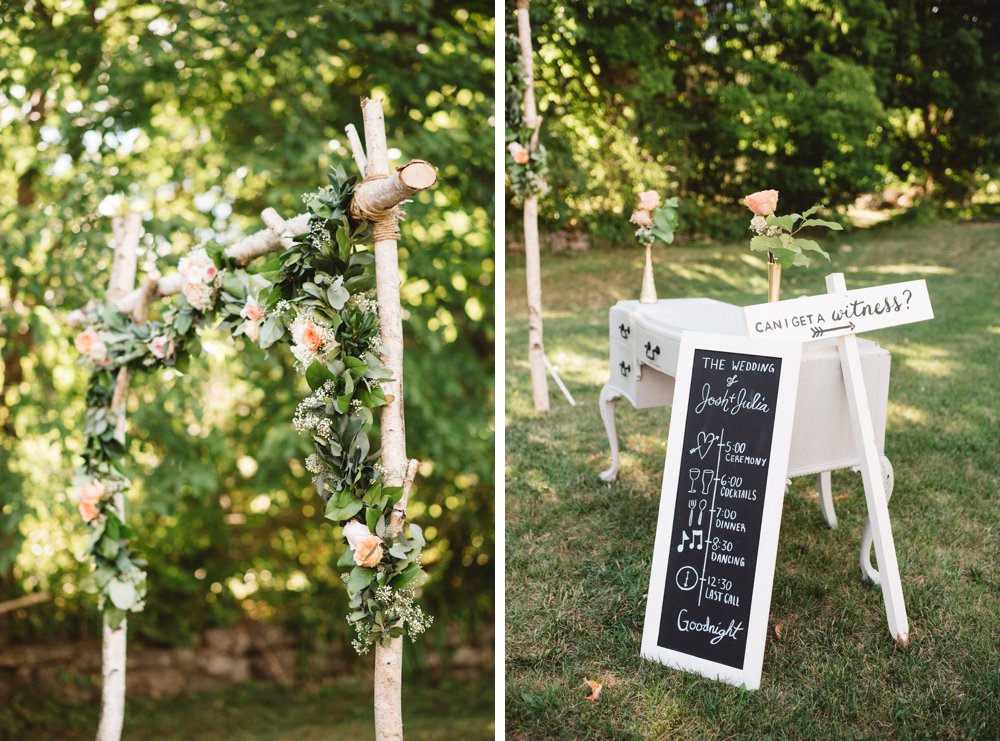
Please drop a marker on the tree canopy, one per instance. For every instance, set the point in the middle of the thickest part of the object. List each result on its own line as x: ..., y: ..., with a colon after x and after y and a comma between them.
x: 823, y: 101
x: 199, y: 115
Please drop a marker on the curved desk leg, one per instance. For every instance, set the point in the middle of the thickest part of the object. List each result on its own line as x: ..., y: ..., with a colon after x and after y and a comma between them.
x: 823, y: 480
x: 869, y: 572
x: 607, y: 404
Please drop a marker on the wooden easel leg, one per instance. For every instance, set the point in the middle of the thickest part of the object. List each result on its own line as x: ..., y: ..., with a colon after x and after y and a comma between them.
x: 825, y: 484
x: 871, y: 474
x: 607, y: 405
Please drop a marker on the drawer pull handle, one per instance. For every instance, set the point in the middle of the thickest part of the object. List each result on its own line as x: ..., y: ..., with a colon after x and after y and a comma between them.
x: 652, y: 352
x: 624, y: 331
x: 625, y: 369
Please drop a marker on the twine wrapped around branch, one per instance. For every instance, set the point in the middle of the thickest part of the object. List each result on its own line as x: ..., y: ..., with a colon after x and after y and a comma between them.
x: 384, y: 221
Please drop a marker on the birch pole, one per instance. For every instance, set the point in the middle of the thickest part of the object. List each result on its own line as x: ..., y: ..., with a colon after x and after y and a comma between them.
x: 377, y: 199
x: 113, y: 647
x: 532, y: 261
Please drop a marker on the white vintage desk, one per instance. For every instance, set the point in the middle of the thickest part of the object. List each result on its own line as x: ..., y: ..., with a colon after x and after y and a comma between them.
x: 645, y: 339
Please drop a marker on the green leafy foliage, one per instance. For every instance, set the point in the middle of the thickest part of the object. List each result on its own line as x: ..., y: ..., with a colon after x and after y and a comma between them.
x: 200, y: 120
x: 823, y: 101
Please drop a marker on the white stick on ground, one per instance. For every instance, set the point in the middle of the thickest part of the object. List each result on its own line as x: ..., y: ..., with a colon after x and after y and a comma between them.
x: 113, y: 648
x: 532, y: 260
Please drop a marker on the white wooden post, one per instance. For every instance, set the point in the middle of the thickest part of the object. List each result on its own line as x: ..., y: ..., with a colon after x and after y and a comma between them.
x: 126, y: 231
x: 872, y: 476
x: 381, y: 193
x: 532, y: 260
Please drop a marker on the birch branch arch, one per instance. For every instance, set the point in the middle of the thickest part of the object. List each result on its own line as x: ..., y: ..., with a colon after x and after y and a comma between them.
x: 335, y: 301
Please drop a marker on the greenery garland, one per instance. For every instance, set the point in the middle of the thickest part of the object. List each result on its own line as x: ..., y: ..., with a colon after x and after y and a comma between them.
x: 527, y: 168
x: 318, y: 297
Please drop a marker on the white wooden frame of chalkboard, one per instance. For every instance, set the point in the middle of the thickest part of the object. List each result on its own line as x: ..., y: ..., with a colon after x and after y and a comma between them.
x: 790, y: 354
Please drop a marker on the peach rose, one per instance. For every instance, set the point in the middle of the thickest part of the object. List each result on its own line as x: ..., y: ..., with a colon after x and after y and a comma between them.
x: 90, y: 495
x: 519, y: 153
x: 648, y: 200
x: 252, y: 311
x: 161, y: 346
x: 366, y: 545
x: 252, y: 330
x: 762, y: 203
x: 310, y: 337
x: 642, y: 218
x: 86, y: 340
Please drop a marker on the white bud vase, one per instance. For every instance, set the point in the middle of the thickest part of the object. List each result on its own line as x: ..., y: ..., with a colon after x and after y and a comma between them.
x: 648, y: 295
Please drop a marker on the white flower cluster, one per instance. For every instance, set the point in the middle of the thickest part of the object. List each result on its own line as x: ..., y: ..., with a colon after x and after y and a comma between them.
x: 363, y: 302
x: 399, y: 609
x: 201, y: 278
x: 307, y: 421
x: 758, y: 225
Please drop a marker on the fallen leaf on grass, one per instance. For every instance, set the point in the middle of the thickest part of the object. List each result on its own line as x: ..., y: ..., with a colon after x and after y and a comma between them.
x: 778, y: 628
x: 595, y: 689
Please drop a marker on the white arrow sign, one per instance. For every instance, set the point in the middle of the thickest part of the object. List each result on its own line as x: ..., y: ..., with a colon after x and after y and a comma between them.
x: 834, y: 314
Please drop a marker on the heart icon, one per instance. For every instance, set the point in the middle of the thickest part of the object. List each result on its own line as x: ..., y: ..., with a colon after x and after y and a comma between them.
x: 705, y: 442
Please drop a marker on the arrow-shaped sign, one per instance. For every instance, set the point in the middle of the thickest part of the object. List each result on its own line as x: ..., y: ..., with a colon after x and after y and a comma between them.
x: 834, y: 314
x: 820, y: 331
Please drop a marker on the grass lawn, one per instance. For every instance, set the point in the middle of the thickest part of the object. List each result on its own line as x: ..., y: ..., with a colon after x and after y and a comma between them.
x: 440, y: 710
x: 579, y: 550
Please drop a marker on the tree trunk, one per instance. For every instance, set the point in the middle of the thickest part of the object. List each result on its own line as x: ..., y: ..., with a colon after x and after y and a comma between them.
x: 126, y: 236
x: 536, y: 350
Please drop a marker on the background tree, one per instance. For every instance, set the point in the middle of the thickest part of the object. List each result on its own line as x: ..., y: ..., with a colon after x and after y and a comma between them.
x: 824, y: 101
x: 201, y: 115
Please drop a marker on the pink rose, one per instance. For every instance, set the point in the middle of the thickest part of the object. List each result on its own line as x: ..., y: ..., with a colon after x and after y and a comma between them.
x: 762, y: 203
x: 76, y: 319
x: 642, y: 218
x: 161, y: 346
x: 519, y: 153
x: 90, y: 496
x: 649, y: 200
x: 209, y: 272
x: 252, y: 311
x: 310, y: 337
x: 366, y: 545
x: 86, y: 340
x: 252, y: 330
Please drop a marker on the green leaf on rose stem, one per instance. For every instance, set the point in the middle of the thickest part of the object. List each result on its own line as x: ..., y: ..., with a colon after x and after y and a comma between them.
x: 810, y: 211
x: 785, y: 222
x: 371, y: 518
x: 108, y: 547
x: 232, y: 284
x: 398, y: 551
x: 122, y: 594
x: 412, y: 576
x: 665, y: 237
x: 417, y: 535
x: 270, y: 332
x: 337, y: 514
x: 337, y: 295
x: 811, y: 246
x: 395, y: 493
x: 359, y: 579
x: 113, y: 617
x: 183, y: 322
x: 821, y: 222
x: 346, y: 559
x: 765, y: 244
x: 801, y: 259
x: 317, y: 374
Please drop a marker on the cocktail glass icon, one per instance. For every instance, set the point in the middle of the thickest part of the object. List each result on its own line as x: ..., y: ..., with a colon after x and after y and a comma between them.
x: 693, y: 474
x: 706, y: 480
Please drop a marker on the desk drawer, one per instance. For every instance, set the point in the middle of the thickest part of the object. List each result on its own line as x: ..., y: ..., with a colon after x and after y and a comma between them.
x: 656, y: 350
x: 620, y: 325
x: 650, y: 388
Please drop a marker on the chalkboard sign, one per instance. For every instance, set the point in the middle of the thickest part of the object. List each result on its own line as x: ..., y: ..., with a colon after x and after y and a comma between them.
x: 720, y: 507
